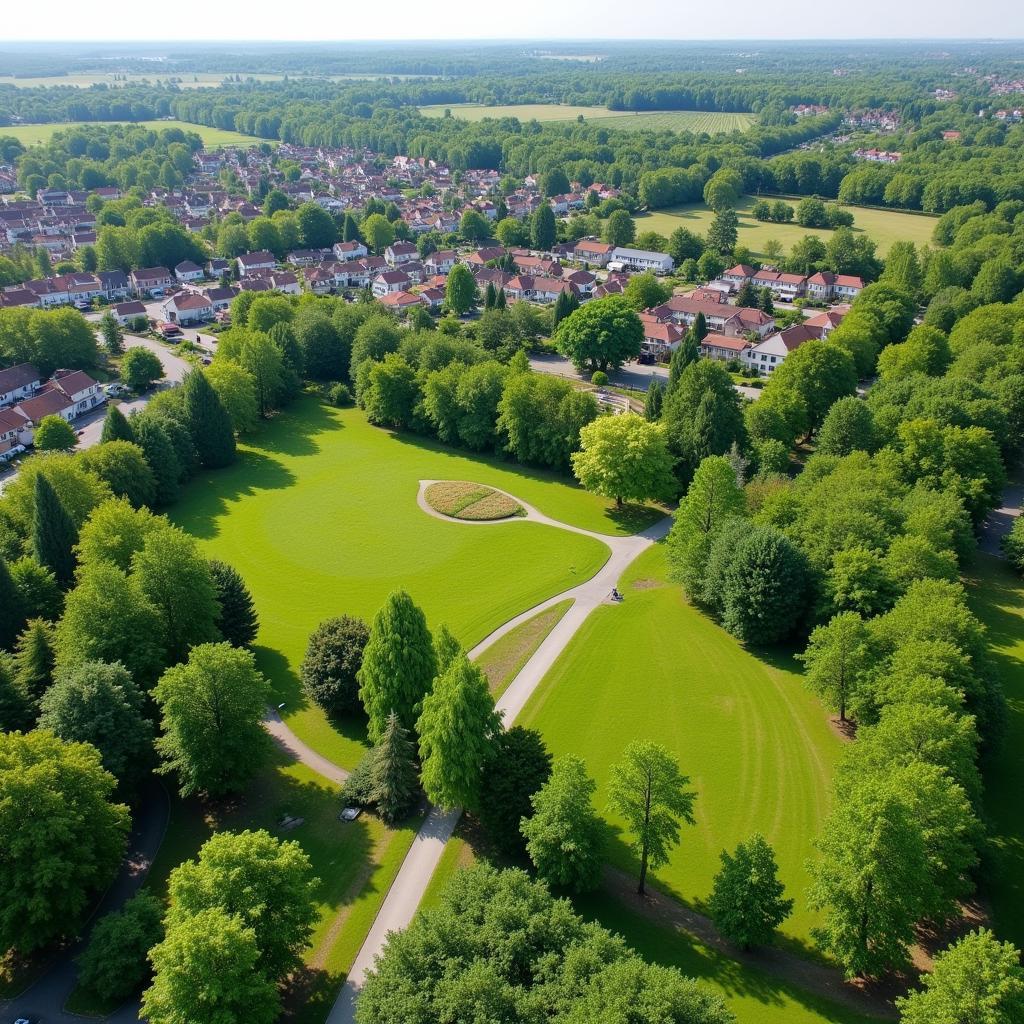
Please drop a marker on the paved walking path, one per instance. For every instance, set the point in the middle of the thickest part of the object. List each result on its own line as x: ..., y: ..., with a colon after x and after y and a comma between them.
x: 44, y: 999
x: 1000, y: 520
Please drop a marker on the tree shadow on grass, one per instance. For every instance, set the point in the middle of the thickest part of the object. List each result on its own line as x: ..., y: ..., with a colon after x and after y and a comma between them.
x: 294, y: 431
x: 208, y: 495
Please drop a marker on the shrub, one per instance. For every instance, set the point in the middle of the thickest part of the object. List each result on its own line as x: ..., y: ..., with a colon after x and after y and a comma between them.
x: 599, y: 379
x: 114, y: 965
x: 340, y: 394
x: 333, y: 658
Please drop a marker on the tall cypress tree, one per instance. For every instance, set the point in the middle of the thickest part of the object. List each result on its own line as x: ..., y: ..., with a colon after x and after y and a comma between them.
x: 490, y: 297
x: 237, y: 619
x: 16, y: 713
x: 700, y: 328
x: 10, y: 607
x: 500, y: 302
x: 156, y: 446
x: 399, y: 664
x: 35, y: 659
x: 393, y: 785
x: 653, y: 401
x: 54, y: 534
x: 208, y: 422
x: 686, y: 353
x: 116, y: 427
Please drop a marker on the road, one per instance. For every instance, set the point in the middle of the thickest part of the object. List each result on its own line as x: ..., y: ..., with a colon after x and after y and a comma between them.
x: 409, y: 885
x: 44, y: 999
x: 1000, y: 520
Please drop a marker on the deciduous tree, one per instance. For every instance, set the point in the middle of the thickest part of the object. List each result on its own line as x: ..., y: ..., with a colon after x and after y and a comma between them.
x: 624, y: 457
x: 330, y: 669
x: 746, y: 903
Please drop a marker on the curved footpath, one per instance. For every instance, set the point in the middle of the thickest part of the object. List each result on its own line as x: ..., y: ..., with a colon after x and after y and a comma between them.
x: 44, y: 999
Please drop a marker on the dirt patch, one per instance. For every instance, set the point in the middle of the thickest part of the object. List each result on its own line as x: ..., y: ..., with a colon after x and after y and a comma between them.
x: 846, y: 731
x: 646, y: 584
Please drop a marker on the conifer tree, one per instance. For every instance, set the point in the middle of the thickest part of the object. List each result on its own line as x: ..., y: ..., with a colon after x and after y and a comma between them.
x: 237, y: 620
x: 446, y: 649
x: 16, y: 712
x: 398, y: 666
x: 53, y: 533
x: 10, y: 610
x: 35, y: 659
x: 116, y: 427
x: 393, y: 786
x: 158, y: 449
x: 653, y: 401
x: 490, y: 296
x: 208, y: 422
x: 685, y: 353
x: 500, y: 302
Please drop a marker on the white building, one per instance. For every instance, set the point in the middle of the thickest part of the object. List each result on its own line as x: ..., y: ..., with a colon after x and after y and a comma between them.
x: 641, y: 259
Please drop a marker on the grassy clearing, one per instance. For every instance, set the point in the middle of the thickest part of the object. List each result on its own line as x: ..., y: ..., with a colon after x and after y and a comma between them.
x: 884, y: 226
x: 710, y: 122
x: 503, y: 660
x: 522, y: 111
x: 461, y: 499
x: 997, y: 597
x: 36, y: 134
x: 756, y: 745
x: 319, y: 515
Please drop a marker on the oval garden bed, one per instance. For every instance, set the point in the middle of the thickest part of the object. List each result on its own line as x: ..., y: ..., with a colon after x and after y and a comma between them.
x: 461, y: 499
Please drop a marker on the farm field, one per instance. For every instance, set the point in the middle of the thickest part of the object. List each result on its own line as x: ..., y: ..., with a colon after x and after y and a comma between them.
x: 320, y: 517
x: 997, y: 598
x: 35, y: 134
x: 674, y: 120
x: 884, y: 226
x: 757, y: 747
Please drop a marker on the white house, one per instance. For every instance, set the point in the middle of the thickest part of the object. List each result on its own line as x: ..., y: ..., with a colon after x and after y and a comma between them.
x: 400, y: 252
x: 346, y: 251
x: 151, y: 280
x: 250, y: 261
x: 187, y: 308
x: 827, y: 287
x: 641, y: 259
x: 126, y: 312
x: 18, y: 382
x: 390, y: 281
x: 187, y: 272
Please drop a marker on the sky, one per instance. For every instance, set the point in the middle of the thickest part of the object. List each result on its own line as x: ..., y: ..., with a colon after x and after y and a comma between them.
x: 323, y: 20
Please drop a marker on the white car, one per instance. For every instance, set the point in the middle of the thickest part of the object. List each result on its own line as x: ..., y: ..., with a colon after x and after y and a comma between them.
x: 348, y: 814
x: 116, y: 389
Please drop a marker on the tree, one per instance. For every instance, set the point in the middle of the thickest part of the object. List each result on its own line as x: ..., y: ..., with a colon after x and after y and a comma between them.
x: 113, y: 340
x: 654, y: 399
x: 746, y: 902
x: 207, y: 421
x: 819, y: 373
x: 330, y: 669
x: 542, y: 228
x: 236, y: 388
x: 123, y: 467
x: 645, y: 291
x: 686, y: 352
x: 161, y: 456
x: 649, y: 792
x: 712, y: 498
x: 114, y: 964
x: 619, y: 229
x: 140, y: 368
x: 17, y: 712
x: 757, y: 580
x: 205, y: 972
x: 455, y: 730
x: 54, y: 434
x: 516, y: 766
x: 174, y: 576
x: 869, y: 881
x: 723, y: 232
x: 237, y: 620
x: 388, y: 391
x: 317, y: 229
x: 976, y: 980
x: 39, y: 595
x: 61, y: 836
x: 212, y: 709
x: 624, y: 457
x: 460, y: 290
x: 837, y: 659
x: 11, y: 616
x: 565, y: 304
x: 564, y: 835
x: 474, y: 226
x: 100, y: 704
x: 261, y: 358
x: 378, y: 232
x: 53, y: 532
x: 848, y: 427
x: 114, y: 532
x: 601, y: 335
x: 393, y: 784
x: 116, y: 427
x: 398, y: 666
x: 264, y: 882
x: 554, y: 182
x: 447, y: 649
x: 723, y: 189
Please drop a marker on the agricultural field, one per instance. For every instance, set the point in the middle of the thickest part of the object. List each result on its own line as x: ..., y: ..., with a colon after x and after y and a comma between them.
x: 997, y: 598
x: 35, y: 134
x: 673, y: 120
x: 884, y: 226
x: 320, y: 516
x: 757, y: 747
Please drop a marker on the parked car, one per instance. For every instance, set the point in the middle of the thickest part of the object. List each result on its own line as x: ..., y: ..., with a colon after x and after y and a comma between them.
x: 113, y: 390
x: 169, y: 330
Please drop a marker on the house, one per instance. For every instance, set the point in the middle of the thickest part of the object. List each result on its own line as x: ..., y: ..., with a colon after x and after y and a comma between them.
x: 114, y: 284
x: 825, y: 323
x: 485, y: 255
x: 13, y: 434
x: 826, y: 286
x: 661, y: 339
x: 127, y: 312
x: 319, y: 280
x: 187, y: 272
x: 79, y: 389
x: 346, y: 251
x: 400, y: 252
x: 220, y: 297
x: 720, y: 317
x: 432, y: 298
x: 786, y: 287
x: 150, y: 281
x: 400, y: 301
x: 306, y: 257
x: 723, y: 349
x: 739, y: 274
x: 390, y: 281
x: 18, y: 297
x: 18, y: 382
x: 218, y: 267
x: 641, y: 260
x: 187, y: 308
x: 536, y: 266
x: 47, y: 403
x: 766, y: 355
x: 582, y: 280
x: 440, y: 262
x: 283, y: 281
x: 252, y: 261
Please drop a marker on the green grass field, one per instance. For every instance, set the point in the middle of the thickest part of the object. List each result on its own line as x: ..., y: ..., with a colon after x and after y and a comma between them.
x: 34, y: 134
x: 997, y: 597
x: 672, y: 120
x: 757, y: 747
x: 884, y: 226
x: 320, y: 517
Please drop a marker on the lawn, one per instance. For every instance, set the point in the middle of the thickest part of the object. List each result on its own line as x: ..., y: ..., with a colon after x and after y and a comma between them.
x: 673, y: 120
x: 997, y: 597
x: 756, y: 745
x: 884, y: 226
x: 320, y: 516
x: 503, y: 660
x: 35, y: 134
